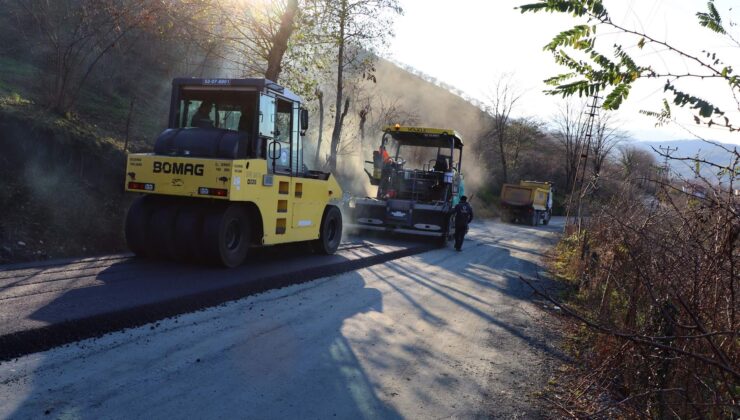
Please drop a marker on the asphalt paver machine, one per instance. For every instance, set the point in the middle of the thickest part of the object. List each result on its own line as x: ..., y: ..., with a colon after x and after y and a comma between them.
x: 418, y: 172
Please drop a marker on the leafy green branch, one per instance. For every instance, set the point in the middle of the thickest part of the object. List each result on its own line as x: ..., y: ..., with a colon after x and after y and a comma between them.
x: 617, y: 71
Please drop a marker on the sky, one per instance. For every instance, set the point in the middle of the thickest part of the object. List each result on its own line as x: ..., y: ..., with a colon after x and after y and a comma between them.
x: 471, y: 44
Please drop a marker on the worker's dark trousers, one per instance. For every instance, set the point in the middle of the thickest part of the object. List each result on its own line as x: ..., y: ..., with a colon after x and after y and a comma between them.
x: 460, y: 236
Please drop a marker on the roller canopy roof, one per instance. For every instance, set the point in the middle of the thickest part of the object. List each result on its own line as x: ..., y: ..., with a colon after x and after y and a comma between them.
x: 423, y: 136
x: 260, y: 85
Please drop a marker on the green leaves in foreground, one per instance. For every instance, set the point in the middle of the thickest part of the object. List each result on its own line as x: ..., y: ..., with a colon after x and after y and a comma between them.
x: 595, y: 74
x: 590, y: 71
x: 577, y: 8
x: 680, y: 98
x: 579, y: 37
x: 711, y: 19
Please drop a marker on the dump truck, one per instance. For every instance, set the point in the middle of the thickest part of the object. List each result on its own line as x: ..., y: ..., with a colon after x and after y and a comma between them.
x: 528, y: 202
x: 227, y: 175
x: 418, y: 174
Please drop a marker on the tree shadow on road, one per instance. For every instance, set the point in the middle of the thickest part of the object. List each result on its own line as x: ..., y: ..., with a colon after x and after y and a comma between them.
x: 51, y: 306
x: 448, y: 291
x: 267, y: 356
x: 484, y: 274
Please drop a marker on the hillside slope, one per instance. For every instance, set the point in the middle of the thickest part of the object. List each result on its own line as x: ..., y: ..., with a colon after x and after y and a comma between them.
x: 434, y: 105
x: 60, y: 189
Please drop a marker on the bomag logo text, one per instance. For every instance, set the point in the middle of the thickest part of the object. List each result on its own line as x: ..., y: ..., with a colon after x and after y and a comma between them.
x: 178, y: 168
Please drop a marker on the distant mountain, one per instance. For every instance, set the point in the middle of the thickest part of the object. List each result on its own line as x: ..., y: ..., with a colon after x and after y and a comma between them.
x: 691, y: 149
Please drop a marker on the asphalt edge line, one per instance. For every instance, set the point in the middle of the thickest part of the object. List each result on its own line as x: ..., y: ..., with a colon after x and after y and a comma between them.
x: 36, y: 340
x: 30, y: 265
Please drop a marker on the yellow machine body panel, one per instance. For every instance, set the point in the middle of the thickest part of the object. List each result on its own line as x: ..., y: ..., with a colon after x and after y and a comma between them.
x: 526, y: 193
x: 177, y: 176
x: 291, y: 207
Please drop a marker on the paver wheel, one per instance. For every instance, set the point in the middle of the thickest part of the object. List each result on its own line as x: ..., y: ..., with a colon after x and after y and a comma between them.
x: 330, y: 233
x: 225, y: 235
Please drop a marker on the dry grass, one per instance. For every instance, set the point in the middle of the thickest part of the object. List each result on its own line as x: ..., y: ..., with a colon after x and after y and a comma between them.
x: 655, y: 309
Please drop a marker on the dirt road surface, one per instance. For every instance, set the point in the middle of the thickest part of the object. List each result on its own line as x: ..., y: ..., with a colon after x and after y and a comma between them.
x: 436, y: 335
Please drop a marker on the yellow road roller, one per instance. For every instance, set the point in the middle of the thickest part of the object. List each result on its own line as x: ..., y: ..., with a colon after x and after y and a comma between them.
x: 227, y: 175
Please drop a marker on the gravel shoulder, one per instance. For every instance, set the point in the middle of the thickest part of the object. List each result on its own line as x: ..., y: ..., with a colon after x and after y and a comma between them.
x: 436, y: 335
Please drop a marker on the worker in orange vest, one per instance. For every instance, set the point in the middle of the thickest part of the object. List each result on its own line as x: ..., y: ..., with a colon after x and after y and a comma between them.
x: 384, y: 154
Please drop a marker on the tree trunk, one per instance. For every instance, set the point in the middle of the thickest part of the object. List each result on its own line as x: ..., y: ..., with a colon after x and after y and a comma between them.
x: 128, y: 122
x: 336, y: 133
x: 501, y: 140
x: 345, y: 110
x: 280, y: 41
x: 598, y: 163
x: 320, y: 97
x: 363, y: 120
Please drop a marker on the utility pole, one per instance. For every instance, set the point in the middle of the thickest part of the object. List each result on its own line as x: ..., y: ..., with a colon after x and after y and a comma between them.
x: 666, y: 152
x: 664, y: 175
x: 580, y: 174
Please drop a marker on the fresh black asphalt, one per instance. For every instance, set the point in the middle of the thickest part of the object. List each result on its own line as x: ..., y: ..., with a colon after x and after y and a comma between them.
x: 52, y: 303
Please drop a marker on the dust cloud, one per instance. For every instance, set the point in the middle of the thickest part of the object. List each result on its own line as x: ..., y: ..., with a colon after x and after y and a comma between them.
x: 401, y: 97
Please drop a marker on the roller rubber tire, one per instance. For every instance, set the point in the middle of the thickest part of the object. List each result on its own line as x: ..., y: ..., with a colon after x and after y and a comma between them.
x: 188, y: 228
x: 226, y: 236
x: 330, y: 233
x: 137, y: 221
x: 162, y: 230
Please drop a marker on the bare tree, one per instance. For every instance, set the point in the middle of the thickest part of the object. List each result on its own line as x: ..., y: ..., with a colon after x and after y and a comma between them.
x: 363, y: 113
x: 636, y: 164
x: 336, y: 135
x: 658, y: 288
x: 570, y: 131
x: 78, y: 34
x: 388, y: 112
x: 75, y: 42
x: 320, y: 99
x: 261, y: 32
x: 280, y: 41
x: 501, y: 101
x: 523, y: 134
x: 606, y: 136
x: 353, y: 27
